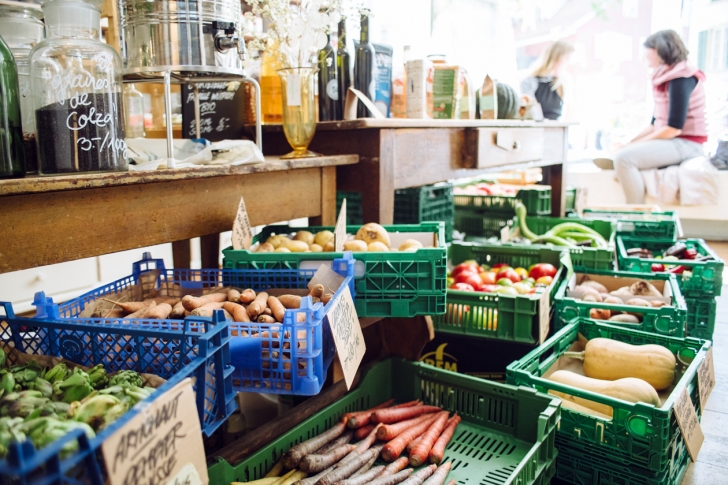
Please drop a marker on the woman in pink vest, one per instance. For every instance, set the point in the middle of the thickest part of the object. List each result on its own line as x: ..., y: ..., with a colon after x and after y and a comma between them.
x: 678, y: 129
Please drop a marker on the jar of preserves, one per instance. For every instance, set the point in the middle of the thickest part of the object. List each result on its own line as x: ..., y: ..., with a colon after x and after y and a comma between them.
x: 77, y: 92
x: 22, y: 29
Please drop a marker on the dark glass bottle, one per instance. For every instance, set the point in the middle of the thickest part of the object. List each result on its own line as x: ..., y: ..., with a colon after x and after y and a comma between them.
x: 12, y: 154
x: 343, y: 68
x: 364, y: 75
x: 328, y: 87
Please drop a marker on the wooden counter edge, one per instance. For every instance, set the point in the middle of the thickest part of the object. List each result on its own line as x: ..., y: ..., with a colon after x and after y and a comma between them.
x: 35, y: 185
x: 404, y: 123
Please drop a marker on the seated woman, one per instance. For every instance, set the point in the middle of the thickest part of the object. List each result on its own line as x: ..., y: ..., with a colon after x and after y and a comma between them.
x: 678, y: 129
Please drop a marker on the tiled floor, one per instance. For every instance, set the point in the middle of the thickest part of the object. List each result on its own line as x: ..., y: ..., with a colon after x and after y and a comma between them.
x: 712, y: 465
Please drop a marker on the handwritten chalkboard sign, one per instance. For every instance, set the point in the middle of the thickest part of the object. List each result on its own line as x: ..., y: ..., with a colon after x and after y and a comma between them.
x: 221, y: 111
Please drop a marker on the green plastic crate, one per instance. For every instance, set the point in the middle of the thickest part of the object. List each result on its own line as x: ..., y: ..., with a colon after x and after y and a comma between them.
x: 586, y: 465
x: 425, y: 204
x: 354, y: 211
x: 707, y: 276
x: 393, y: 284
x: 581, y: 257
x: 479, y: 225
x: 701, y: 317
x: 506, y: 435
x: 668, y: 320
x: 537, y: 200
x: 639, y: 224
x: 639, y: 434
x: 504, y: 317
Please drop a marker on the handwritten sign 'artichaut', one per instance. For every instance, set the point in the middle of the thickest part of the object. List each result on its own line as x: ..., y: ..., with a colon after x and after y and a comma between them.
x: 347, y: 333
x: 157, y: 444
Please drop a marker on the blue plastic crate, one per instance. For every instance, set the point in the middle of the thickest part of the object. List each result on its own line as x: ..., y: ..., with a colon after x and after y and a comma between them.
x: 197, y: 348
x: 304, y: 338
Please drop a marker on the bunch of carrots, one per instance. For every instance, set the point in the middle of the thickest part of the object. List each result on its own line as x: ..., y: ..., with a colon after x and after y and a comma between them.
x: 386, y: 430
x: 238, y: 305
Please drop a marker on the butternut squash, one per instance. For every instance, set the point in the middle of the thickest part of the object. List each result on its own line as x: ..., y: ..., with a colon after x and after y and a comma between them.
x: 611, y: 360
x: 567, y: 403
x: 629, y: 389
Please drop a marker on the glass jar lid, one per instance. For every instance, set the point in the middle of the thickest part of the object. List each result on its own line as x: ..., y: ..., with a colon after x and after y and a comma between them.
x: 21, y: 27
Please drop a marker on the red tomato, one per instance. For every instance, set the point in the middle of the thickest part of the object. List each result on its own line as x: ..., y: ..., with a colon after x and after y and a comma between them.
x: 465, y: 274
x: 464, y: 267
x: 488, y: 278
x: 500, y: 265
x: 488, y: 288
x: 508, y: 273
x: 542, y: 269
x: 471, y: 279
x: 462, y: 287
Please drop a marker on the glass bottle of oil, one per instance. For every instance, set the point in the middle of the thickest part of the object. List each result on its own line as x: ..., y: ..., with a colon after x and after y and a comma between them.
x: 271, y: 98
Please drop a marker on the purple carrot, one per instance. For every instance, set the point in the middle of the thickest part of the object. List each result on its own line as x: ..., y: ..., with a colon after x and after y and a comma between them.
x: 294, y: 456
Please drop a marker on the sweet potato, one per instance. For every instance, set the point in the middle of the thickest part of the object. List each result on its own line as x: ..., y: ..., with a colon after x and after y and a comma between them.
x: 143, y: 312
x: 207, y: 309
x: 233, y: 296
x: 247, y: 296
x: 238, y: 312
x: 265, y: 319
x: 258, y: 305
x: 129, y: 307
x: 277, y: 308
x: 160, y: 311
x: 291, y: 302
x: 192, y: 302
x: 317, y: 291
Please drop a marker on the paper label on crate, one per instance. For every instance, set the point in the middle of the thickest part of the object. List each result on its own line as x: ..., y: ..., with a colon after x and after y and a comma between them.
x: 505, y: 233
x: 706, y: 378
x: 687, y: 420
x: 326, y: 276
x: 157, y: 444
x: 340, y: 229
x: 543, y: 316
x: 242, y: 231
x: 347, y: 334
x: 187, y: 476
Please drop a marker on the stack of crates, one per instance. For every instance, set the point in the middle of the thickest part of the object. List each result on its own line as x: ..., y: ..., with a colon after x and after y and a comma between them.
x: 428, y: 203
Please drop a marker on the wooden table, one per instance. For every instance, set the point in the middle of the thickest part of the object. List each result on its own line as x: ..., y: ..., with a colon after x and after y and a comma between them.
x: 47, y: 220
x: 400, y: 153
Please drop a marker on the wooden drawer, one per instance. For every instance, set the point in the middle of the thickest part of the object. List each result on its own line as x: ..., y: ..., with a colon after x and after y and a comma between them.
x: 493, y: 147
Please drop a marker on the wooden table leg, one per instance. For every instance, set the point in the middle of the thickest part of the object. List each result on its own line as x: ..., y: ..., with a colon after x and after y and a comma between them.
x: 328, y: 199
x: 210, y: 251
x: 554, y: 176
x: 181, y: 254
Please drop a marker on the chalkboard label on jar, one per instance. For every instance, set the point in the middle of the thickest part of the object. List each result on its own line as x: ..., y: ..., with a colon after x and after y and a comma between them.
x: 221, y: 111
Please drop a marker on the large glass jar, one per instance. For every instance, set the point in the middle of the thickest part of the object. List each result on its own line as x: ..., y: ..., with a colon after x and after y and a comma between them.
x: 77, y: 92
x: 22, y: 29
x: 12, y: 157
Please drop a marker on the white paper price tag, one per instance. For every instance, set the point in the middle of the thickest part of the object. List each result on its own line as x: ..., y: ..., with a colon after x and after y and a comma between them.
x: 242, y: 232
x: 159, y: 443
x: 340, y: 229
x: 706, y: 378
x: 348, y: 337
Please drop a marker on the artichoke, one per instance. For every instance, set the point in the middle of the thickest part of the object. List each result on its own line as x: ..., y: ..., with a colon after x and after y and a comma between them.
x: 7, y: 382
x: 24, y: 374
x: 44, y: 431
x: 3, y: 358
x: 58, y: 410
x: 41, y: 385
x: 58, y: 372
x: 98, y: 411
x: 10, y: 432
x: 126, y: 378
x: 97, y: 376
x: 130, y: 395
x: 21, y: 404
x: 74, y: 388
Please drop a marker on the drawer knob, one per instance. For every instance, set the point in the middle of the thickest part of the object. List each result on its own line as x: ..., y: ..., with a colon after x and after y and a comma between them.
x: 516, y: 145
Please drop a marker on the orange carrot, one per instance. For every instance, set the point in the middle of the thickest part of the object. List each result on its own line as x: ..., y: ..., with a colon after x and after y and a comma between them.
x: 191, y: 302
x: 239, y: 313
x: 413, y: 443
x: 357, y: 420
x: 279, y: 311
x: 452, y: 482
x: 345, y: 418
x: 419, y: 453
x: 438, y: 449
x: 394, y: 448
x: 396, y: 466
x: 387, y: 416
x: 387, y: 432
x: 362, y: 432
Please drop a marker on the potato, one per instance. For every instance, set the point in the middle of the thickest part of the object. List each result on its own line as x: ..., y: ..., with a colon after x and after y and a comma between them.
x: 613, y: 300
x: 304, y: 236
x: 408, y: 243
x: 638, y: 302
x: 266, y: 247
x: 315, y: 248
x: 410, y: 249
x: 296, y: 246
x: 600, y: 313
x: 592, y: 297
x: 355, y: 246
x: 377, y: 247
x: 329, y: 246
x: 657, y: 303
x: 372, y: 232
x: 275, y: 241
x: 597, y: 286
x: 624, y: 318
x: 322, y: 237
x: 587, y: 289
x: 282, y: 250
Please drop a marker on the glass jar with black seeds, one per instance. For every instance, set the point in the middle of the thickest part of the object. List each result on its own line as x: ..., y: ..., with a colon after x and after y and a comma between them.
x: 76, y: 84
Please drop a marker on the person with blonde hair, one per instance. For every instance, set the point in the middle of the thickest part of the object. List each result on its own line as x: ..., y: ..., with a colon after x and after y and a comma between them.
x: 545, y: 84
